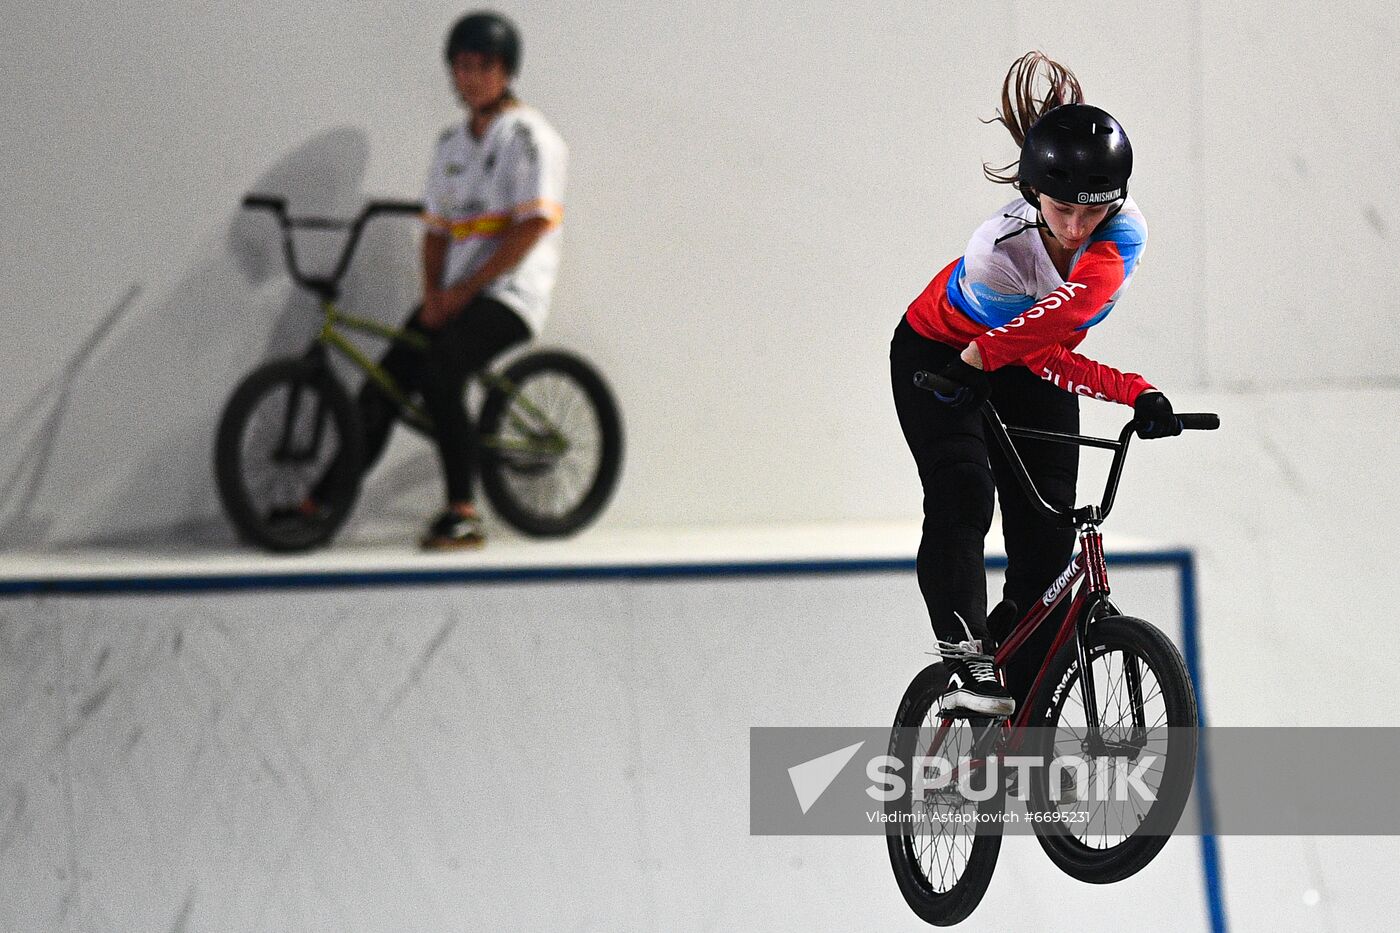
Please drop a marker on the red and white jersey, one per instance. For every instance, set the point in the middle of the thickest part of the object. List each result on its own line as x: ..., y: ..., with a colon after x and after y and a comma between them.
x: 1005, y: 295
x: 477, y: 188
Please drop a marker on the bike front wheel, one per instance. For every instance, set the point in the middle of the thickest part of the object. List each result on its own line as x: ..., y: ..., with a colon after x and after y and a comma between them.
x: 551, y: 444
x: 943, y: 846
x: 1131, y: 781
x: 289, y: 439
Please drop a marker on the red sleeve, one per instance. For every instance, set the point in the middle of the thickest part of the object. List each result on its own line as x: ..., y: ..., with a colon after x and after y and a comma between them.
x: 1055, y: 318
x: 1082, y: 376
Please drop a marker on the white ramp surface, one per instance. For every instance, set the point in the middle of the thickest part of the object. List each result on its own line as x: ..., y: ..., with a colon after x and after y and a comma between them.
x: 529, y: 755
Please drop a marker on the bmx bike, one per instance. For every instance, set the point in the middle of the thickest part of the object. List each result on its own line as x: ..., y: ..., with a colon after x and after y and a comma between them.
x: 1113, y: 692
x: 549, y: 427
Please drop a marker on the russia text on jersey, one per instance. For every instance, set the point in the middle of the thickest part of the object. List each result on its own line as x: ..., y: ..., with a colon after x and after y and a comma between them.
x: 1040, y: 334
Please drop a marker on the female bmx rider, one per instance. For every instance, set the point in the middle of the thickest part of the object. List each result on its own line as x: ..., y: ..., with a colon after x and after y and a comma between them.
x: 1002, y: 322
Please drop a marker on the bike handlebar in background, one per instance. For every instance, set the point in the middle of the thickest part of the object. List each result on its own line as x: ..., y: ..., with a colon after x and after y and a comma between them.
x: 266, y: 202
x: 326, y: 286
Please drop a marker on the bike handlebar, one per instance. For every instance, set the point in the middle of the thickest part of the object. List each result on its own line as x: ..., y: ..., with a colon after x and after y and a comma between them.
x: 278, y: 205
x: 326, y: 286
x: 265, y: 202
x: 1189, y: 421
x: 1199, y: 421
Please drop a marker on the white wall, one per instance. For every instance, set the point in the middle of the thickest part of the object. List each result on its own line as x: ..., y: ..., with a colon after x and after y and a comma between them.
x: 757, y: 191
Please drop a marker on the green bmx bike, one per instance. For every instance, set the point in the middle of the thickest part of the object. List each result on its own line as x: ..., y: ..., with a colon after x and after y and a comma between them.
x: 549, y: 427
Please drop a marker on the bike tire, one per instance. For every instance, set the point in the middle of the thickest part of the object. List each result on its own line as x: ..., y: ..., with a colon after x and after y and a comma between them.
x: 1131, y: 833
x: 550, y: 493
x: 288, y: 401
x: 965, y: 861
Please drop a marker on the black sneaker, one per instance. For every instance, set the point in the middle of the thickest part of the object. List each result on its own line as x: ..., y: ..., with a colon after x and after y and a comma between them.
x: 451, y: 532
x: 972, y: 679
x: 972, y: 682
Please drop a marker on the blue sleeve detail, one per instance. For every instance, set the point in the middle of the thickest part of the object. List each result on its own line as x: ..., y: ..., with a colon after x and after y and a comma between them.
x: 983, y: 304
x: 1125, y: 232
x: 1000, y: 307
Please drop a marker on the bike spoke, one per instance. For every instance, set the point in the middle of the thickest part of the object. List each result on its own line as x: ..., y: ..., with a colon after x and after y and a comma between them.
x: 941, y: 844
x: 552, y: 483
x: 1111, y: 820
x: 292, y: 422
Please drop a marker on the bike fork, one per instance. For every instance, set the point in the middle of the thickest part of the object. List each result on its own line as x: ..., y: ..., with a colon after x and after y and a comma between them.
x: 287, y: 450
x: 1091, y: 547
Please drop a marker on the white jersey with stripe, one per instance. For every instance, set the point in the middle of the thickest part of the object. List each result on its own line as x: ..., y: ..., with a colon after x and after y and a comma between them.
x: 477, y: 188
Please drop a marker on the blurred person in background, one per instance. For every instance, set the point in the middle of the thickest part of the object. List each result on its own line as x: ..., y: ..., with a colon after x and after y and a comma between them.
x: 493, y: 207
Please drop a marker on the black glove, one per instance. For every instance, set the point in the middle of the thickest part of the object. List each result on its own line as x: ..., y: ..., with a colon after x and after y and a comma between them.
x: 959, y: 386
x: 1154, y: 416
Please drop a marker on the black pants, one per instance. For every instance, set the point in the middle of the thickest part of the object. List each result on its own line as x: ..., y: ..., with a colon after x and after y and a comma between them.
x: 962, y: 470
x: 456, y: 351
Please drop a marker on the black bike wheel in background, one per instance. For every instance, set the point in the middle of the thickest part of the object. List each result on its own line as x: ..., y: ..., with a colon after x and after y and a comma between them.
x: 551, y: 444
x: 1108, y: 831
x: 288, y: 429
x: 942, y: 855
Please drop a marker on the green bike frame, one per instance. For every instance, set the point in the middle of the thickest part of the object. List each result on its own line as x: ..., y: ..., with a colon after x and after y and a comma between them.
x: 541, y: 437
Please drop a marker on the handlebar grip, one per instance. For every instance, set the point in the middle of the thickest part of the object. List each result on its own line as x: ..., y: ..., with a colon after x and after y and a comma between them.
x: 265, y: 202
x: 932, y: 382
x: 1202, y: 421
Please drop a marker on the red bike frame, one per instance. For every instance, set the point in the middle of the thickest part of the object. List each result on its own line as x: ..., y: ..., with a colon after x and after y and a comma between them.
x: 1088, y: 567
x: 1090, y: 563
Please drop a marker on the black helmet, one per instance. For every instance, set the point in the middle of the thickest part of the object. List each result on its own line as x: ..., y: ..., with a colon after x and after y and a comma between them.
x: 1078, y: 154
x: 488, y: 33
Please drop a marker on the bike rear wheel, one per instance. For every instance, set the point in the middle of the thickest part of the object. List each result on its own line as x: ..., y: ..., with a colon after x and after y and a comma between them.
x: 551, y: 444
x: 1147, y: 715
x: 289, y: 430
x: 942, y: 851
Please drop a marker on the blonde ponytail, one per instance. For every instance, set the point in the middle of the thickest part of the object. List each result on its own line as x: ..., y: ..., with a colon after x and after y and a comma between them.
x: 1034, y: 84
